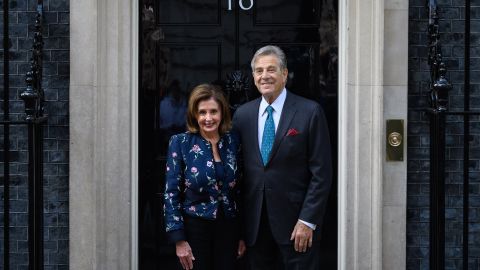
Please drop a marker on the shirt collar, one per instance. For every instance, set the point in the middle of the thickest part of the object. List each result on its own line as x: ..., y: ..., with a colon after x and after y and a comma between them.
x: 277, y: 103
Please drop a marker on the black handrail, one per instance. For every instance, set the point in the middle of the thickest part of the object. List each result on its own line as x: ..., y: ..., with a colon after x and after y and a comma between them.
x: 439, y: 88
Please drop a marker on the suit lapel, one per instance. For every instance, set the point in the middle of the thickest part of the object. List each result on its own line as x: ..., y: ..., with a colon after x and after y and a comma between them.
x: 253, y: 115
x: 288, y: 112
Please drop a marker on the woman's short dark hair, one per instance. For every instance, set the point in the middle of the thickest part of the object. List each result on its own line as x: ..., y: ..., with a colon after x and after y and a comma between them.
x: 204, y: 92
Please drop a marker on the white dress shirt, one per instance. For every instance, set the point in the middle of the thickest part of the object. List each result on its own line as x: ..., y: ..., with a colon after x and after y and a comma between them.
x: 277, y: 106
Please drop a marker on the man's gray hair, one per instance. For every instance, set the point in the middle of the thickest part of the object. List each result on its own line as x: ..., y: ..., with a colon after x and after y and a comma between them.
x: 270, y: 50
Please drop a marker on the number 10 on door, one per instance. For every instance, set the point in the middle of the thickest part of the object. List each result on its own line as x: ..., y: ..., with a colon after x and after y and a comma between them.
x: 240, y: 3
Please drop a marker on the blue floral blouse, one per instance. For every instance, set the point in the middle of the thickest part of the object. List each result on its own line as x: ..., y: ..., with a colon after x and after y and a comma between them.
x: 192, y: 187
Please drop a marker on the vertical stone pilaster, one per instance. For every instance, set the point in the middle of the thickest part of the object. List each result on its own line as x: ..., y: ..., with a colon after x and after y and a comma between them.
x: 361, y: 131
x: 395, y: 99
x: 373, y: 88
x: 101, y: 119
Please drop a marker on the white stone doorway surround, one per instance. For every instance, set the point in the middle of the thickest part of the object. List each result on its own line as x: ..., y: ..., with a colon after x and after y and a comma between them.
x: 373, y: 54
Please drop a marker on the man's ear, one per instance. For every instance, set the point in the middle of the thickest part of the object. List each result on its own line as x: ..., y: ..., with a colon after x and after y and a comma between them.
x: 285, y: 74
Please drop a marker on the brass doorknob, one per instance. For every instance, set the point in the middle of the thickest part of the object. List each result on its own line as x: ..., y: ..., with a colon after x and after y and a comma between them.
x: 395, y: 139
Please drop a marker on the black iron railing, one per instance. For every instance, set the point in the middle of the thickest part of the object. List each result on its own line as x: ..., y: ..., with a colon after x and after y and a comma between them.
x: 6, y: 138
x: 34, y: 119
x: 438, y: 112
x: 439, y: 88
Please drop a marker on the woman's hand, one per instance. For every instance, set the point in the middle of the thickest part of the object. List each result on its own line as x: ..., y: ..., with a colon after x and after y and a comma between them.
x: 241, y: 248
x: 184, y: 254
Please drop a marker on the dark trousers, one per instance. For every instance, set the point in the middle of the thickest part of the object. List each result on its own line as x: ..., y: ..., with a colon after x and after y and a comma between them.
x: 266, y: 254
x: 214, y: 243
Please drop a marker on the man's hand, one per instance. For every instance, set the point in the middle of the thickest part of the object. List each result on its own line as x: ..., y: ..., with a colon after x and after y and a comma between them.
x: 303, y: 236
x: 184, y: 254
x: 241, y: 248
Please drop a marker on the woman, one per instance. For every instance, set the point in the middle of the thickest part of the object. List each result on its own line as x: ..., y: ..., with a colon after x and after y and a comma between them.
x: 201, y: 204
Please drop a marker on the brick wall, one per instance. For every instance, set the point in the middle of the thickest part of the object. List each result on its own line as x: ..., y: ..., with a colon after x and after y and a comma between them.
x: 452, y: 25
x: 55, y: 82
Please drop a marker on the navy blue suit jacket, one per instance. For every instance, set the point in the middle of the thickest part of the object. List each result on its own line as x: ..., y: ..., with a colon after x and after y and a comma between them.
x: 296, y: 181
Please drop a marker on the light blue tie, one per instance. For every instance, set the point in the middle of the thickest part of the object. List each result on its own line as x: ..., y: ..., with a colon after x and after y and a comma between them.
x: 268, y: 136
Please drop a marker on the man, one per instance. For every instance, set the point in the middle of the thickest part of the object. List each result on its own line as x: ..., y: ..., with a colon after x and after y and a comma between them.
x: 287, y: 169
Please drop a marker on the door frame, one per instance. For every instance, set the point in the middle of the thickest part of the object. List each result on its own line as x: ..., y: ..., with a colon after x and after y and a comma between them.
x: 373, y: 56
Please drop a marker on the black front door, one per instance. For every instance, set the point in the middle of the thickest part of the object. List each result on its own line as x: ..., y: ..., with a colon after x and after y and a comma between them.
x: 187, y: 42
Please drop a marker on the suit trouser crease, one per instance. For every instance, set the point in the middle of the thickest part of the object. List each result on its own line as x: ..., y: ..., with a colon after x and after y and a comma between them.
x: 266, y: 254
